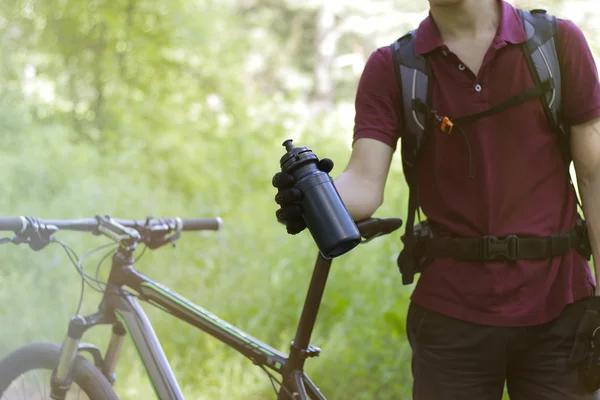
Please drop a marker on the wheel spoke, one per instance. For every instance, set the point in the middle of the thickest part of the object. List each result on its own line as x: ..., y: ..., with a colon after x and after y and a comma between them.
x: 23, y: 386
x: 37, y: 379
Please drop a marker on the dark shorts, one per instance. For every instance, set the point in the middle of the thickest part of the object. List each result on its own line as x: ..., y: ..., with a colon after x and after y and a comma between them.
x: 454, y: 359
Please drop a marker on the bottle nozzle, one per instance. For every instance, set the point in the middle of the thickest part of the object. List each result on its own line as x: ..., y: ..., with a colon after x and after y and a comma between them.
x: 288, y: 145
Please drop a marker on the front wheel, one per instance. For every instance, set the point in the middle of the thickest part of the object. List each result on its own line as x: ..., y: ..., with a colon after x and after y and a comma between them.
x: 25, y: 373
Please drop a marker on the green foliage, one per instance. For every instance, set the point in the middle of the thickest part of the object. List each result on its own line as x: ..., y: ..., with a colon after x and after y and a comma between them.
x: 149, y: 113
x: 179, y: 108
x: 253, y: 276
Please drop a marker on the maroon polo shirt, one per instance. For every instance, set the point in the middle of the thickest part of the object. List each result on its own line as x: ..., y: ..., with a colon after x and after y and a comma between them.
x: 520, y: 183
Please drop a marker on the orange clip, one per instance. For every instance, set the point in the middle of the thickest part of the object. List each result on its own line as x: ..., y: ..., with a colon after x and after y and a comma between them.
x: 447, y: 125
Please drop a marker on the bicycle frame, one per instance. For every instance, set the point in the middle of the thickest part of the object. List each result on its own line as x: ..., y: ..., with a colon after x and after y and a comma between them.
x: 121, y: 309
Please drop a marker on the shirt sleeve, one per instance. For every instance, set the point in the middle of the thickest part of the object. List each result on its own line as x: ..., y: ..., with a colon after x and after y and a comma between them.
x: 580, y: 86
x: 378, y: 101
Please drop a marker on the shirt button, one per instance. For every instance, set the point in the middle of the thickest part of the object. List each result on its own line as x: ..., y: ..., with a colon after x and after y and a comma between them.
x: 478, y: 88
x: 461, y: 67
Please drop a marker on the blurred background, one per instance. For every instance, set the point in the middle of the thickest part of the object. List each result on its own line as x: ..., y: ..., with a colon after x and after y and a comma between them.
x: 139, y: 108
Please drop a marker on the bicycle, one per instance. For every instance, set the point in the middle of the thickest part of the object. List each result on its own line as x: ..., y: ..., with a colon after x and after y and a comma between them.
x: 119, y: 307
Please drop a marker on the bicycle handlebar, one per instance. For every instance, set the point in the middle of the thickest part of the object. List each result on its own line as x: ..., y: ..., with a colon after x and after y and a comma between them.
x: 152, y: 232
x: 19, y: 224
x: 369, y: 228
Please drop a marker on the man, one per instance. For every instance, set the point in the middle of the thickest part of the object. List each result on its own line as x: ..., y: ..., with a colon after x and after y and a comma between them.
x: 474, y: 326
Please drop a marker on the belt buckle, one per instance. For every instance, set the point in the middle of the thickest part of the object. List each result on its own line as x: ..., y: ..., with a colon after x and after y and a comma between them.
x: 494, y: 248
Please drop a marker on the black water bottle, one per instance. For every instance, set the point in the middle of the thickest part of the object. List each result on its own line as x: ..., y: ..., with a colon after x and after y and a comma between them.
x: 326, y: 216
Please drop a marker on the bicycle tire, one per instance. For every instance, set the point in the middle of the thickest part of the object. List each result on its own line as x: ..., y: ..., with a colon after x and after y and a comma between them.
x: 37, y: 356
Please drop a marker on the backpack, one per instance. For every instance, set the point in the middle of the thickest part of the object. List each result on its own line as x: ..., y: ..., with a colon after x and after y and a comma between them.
x: 415, y: 81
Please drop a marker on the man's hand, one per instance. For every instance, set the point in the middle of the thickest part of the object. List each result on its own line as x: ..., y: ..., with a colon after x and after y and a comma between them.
x: 288, y: 198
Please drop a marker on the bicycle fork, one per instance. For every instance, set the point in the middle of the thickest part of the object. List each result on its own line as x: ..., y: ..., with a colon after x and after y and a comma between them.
x: 62, y: 375
x: 113, y: 351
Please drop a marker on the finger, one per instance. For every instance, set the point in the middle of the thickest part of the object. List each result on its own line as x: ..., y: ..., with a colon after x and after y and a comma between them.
x: 284, y: 213
x: 280, y: 216
x: 281, y: 180
x: 288, y: 196
x: 295, y: 227
x: 289, y: 213
x: 325, y: 165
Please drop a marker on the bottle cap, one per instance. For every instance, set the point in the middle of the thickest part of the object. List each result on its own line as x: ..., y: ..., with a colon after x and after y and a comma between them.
x: 295, y: 156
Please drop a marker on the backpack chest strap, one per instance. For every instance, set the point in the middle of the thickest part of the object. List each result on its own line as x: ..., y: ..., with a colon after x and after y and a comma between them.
x: 446, y: 123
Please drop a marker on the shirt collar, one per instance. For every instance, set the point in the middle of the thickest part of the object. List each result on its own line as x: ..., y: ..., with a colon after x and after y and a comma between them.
x: 509, y: 30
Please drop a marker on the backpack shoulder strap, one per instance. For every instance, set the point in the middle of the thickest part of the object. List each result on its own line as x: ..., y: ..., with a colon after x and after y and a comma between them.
x: 414, y: 75
x: 414, y: 78
x: 541, y: 53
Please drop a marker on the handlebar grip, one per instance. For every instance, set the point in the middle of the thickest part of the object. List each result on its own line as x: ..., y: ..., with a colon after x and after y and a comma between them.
x: 202, y: 224
x: 14, y: 224
x: 378, y: 226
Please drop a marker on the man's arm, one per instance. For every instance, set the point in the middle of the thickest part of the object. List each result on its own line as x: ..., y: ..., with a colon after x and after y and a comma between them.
x: 362, y: 183
x: 585, y: 146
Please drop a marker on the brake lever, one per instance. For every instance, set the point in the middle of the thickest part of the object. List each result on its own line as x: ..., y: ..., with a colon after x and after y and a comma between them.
x: 35, y: 234
x: 153, y: 242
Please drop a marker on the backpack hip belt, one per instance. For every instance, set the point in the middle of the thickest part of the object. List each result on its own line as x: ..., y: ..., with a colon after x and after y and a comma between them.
x: 509, y: 248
